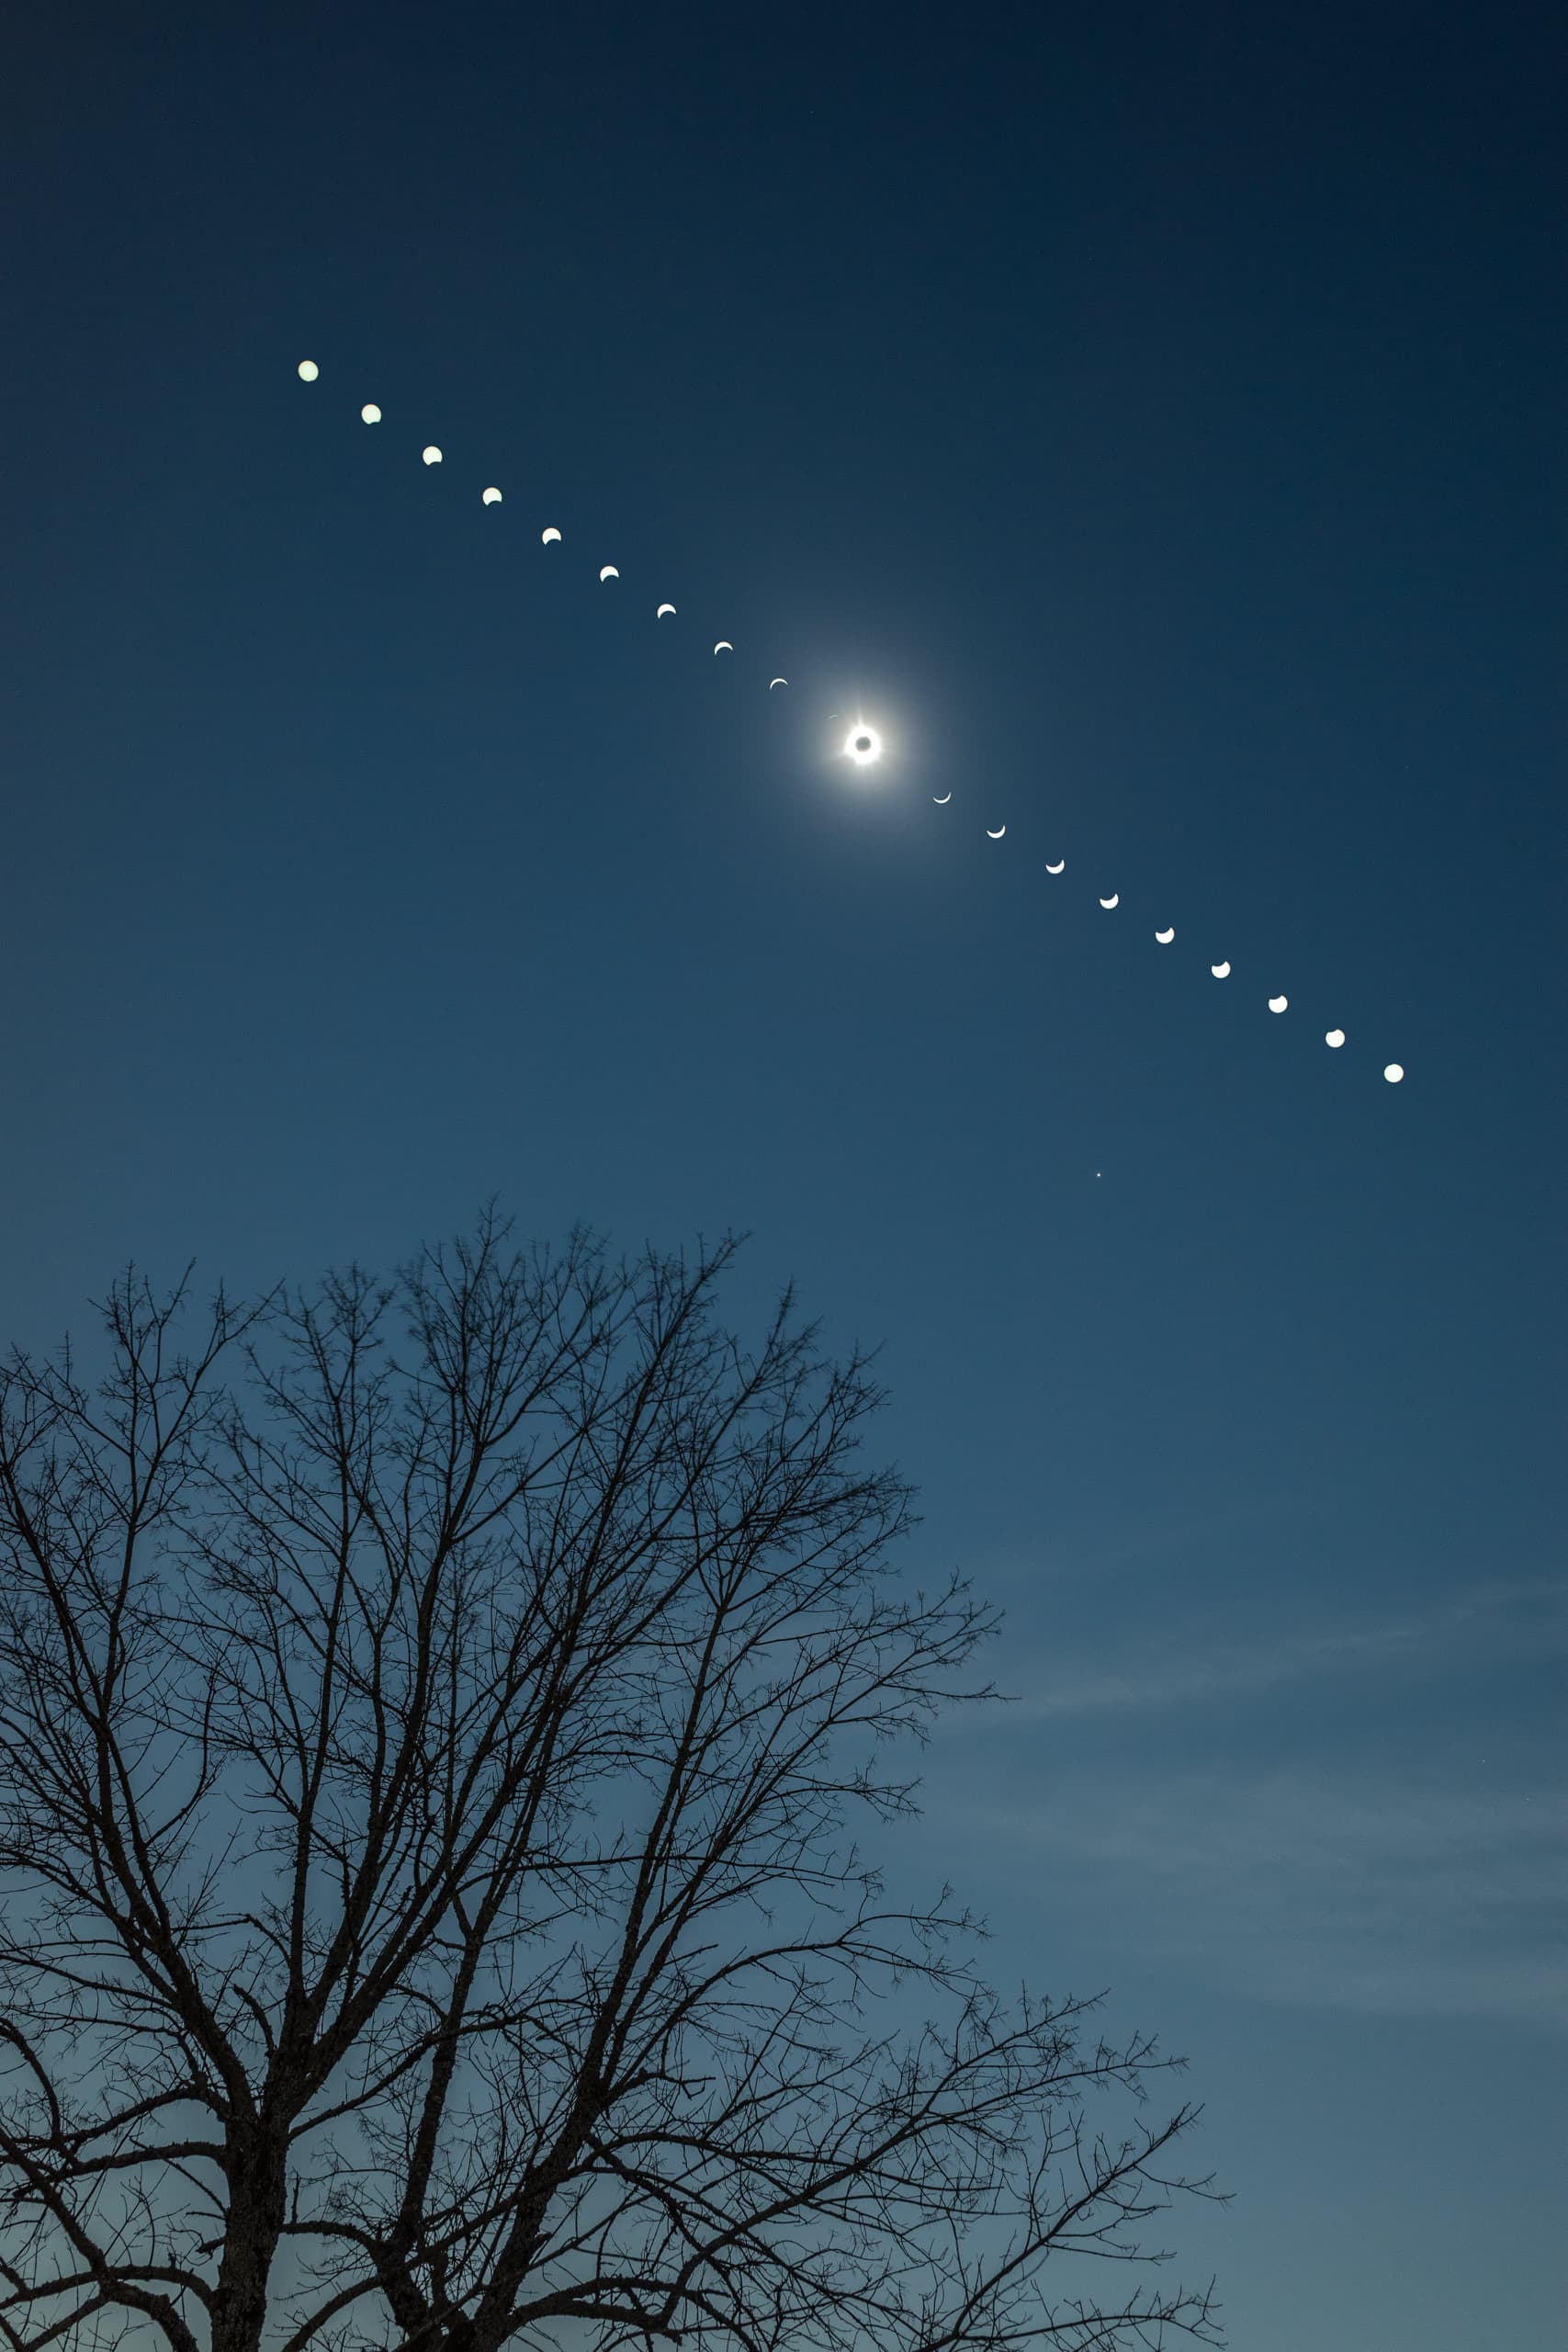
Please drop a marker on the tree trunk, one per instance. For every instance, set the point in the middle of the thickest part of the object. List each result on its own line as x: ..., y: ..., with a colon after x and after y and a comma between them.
x: 257, y: 2169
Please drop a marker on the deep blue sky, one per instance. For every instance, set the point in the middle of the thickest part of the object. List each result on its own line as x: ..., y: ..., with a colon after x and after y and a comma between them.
x: 1153, y: 417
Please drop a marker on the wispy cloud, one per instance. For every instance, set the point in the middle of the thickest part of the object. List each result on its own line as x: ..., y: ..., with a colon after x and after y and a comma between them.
x: 1488, y: 1624
x: 1355, y: 1885
x: 1321, y: 1889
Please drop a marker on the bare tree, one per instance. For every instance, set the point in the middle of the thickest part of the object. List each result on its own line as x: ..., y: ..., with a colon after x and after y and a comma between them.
x: 427, y: 1760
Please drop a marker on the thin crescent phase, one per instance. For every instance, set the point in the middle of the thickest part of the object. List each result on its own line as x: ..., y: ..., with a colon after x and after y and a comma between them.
x: 1059, y: 867
x: 1165, y: 937
x: 996, y: 835
x: 659, y: 616
x: 1221, y: 971
x: 608, y: 571
x: 776, y: 682
x: 490, y: 497
x: 549, y: 535
x: 307, y: 371
x: 724, y: 646
x: 941, y: 799
x: 370, y: 413
x: 1114, y: 900
x: 432, y: 455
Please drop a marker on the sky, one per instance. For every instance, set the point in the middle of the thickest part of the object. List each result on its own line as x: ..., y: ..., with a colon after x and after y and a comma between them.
x: 1150, y: 418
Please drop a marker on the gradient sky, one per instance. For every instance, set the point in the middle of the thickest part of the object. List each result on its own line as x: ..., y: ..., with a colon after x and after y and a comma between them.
x: 1153, y: 417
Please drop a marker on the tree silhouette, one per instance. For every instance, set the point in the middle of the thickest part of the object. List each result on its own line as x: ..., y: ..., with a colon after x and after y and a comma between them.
x: 428, y: 1756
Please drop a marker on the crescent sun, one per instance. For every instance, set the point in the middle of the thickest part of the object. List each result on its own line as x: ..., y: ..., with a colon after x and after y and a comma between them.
x: 608, y: 571
x: 659, y: 616
x: 1114, y: 900
x: 776, y: 682
x: 1166, y: 936
x: 941, y: 799
x: 1059, y: 867
x: 549, y: 535
x: 996, y: 835
x: 724, y: 646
